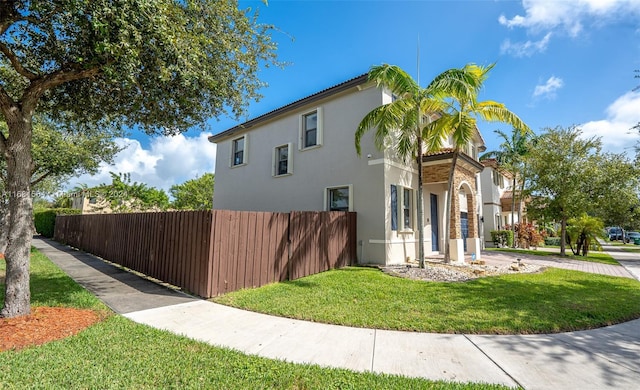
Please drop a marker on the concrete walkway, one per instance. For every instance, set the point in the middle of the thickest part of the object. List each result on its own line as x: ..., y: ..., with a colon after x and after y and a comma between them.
x: 606, y: 358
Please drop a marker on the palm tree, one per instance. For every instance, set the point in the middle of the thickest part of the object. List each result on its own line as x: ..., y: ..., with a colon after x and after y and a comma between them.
x: 404, y: 121
x: 460, y: 122
x: 423, y: 118
x: 511, y: 156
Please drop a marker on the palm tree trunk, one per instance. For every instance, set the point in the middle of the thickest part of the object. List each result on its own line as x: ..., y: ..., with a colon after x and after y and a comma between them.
x: 513, y: 208
x: 420, y: 208
x: 447, y: 212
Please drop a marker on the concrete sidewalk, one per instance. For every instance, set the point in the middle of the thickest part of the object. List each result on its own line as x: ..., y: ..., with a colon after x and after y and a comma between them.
x: 606, y: 358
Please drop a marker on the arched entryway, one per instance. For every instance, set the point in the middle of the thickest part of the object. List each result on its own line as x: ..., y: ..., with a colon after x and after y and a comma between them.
x: 464, y: 238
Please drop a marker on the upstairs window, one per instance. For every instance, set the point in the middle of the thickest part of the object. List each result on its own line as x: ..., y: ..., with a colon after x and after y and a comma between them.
x: 311, y: 129
x: 282, y: 164
x: 497, y: 179
x: 239, y: 151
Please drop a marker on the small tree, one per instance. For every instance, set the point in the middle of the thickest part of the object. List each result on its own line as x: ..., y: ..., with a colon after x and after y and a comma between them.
x: 560, y: 170
x: 194, y: 194
x: 583, y: 232
x: 511, y: 156
x: 124, y: 196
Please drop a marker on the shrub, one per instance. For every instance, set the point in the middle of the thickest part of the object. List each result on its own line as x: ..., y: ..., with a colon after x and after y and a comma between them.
x: 552, y: 241
x: 528, y: 235
x: 45, y: 219
x: 502, y: 237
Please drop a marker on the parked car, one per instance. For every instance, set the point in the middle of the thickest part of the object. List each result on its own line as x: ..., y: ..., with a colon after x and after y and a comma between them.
x: 631, y: 237
x: 615, y: 234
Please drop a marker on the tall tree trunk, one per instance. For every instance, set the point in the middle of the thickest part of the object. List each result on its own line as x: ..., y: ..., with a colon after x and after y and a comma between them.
x: 4, y: 224
x: 447, y: 212
x: 513, y: 211
x: 17, y: 152
x: 420, y: 208
x: 563, y: 235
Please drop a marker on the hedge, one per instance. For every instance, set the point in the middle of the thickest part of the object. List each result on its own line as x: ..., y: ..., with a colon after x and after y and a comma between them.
x: 45, y: 219
x: 502, y: 237
x: 552, y: 241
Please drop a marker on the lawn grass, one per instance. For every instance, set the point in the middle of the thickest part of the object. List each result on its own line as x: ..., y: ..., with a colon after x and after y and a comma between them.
x: 555, y: 300
x: 595, y: 257
x: 51, y: 287
x: 120, y: 354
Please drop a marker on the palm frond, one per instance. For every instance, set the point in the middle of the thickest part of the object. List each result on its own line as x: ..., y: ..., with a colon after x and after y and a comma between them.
x: 497, y: 112
x: 394, y: 78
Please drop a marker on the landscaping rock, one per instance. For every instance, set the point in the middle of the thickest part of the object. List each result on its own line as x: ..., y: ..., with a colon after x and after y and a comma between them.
x: 440, y: 272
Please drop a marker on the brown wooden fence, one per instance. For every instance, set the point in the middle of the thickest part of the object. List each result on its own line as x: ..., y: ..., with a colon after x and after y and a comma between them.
x: 214, y: 252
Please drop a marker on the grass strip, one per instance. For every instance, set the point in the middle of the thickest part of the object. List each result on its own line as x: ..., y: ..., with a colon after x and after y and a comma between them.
x: 594, y: 257
x: 552, y: 301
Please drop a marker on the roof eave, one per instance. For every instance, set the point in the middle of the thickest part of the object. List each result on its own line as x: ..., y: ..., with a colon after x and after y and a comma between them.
x: 362, y: 79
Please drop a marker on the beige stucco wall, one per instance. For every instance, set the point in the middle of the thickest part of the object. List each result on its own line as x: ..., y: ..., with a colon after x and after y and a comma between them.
x: 335, y: 163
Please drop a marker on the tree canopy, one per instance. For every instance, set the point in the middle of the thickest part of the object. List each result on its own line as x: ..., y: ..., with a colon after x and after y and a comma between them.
x: 125, y: 196
x: 569, y: 175
x: 161, y: 65
x: 194, y: 194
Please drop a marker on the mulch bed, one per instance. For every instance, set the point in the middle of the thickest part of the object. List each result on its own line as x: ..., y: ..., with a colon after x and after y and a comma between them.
x: 44, y: 324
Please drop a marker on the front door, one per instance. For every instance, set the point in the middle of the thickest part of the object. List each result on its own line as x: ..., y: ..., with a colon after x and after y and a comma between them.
x: 434, y: 223
x: 464, y: 228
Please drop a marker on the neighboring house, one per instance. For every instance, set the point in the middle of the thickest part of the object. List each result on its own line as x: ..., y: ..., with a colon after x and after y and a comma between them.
x: 497, y: 196
x: 302, y: 157
x: 89, y: 203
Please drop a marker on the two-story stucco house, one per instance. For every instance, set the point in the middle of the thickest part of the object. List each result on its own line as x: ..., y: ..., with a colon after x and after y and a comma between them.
x: 497, y: 196
x: 302, y: 157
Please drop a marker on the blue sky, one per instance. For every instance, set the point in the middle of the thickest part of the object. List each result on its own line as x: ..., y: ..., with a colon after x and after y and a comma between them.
x: 558, y: 63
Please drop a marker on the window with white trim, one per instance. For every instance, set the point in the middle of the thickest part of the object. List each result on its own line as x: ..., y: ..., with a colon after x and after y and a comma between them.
x: 311, y: 129
x: 282, y: 163
x: 338, y: 199
x: 407, y: 209
x: 238, y: 151
x: 497, y: 178
x: 401, y: 204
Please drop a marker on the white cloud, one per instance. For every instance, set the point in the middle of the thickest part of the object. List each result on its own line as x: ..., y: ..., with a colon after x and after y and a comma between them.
x: 615, y: 130
x: 525, y: 49
x: 567, y: 17
x: 168, y: 161
x: 549, y: 88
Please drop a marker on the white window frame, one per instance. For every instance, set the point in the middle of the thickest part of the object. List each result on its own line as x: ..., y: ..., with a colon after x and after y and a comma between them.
x: 497, y: 178
x: 411, y: 208
x: 275, y: 162
x: 400, y: 208
x: 326, y: 196
x: 245, y: 152
x: 319, y: 129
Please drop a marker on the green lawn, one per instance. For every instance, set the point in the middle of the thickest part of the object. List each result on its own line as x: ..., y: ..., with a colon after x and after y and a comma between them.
x: 120, y: 354
x: 596, y: 257
x: 552, y: 301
